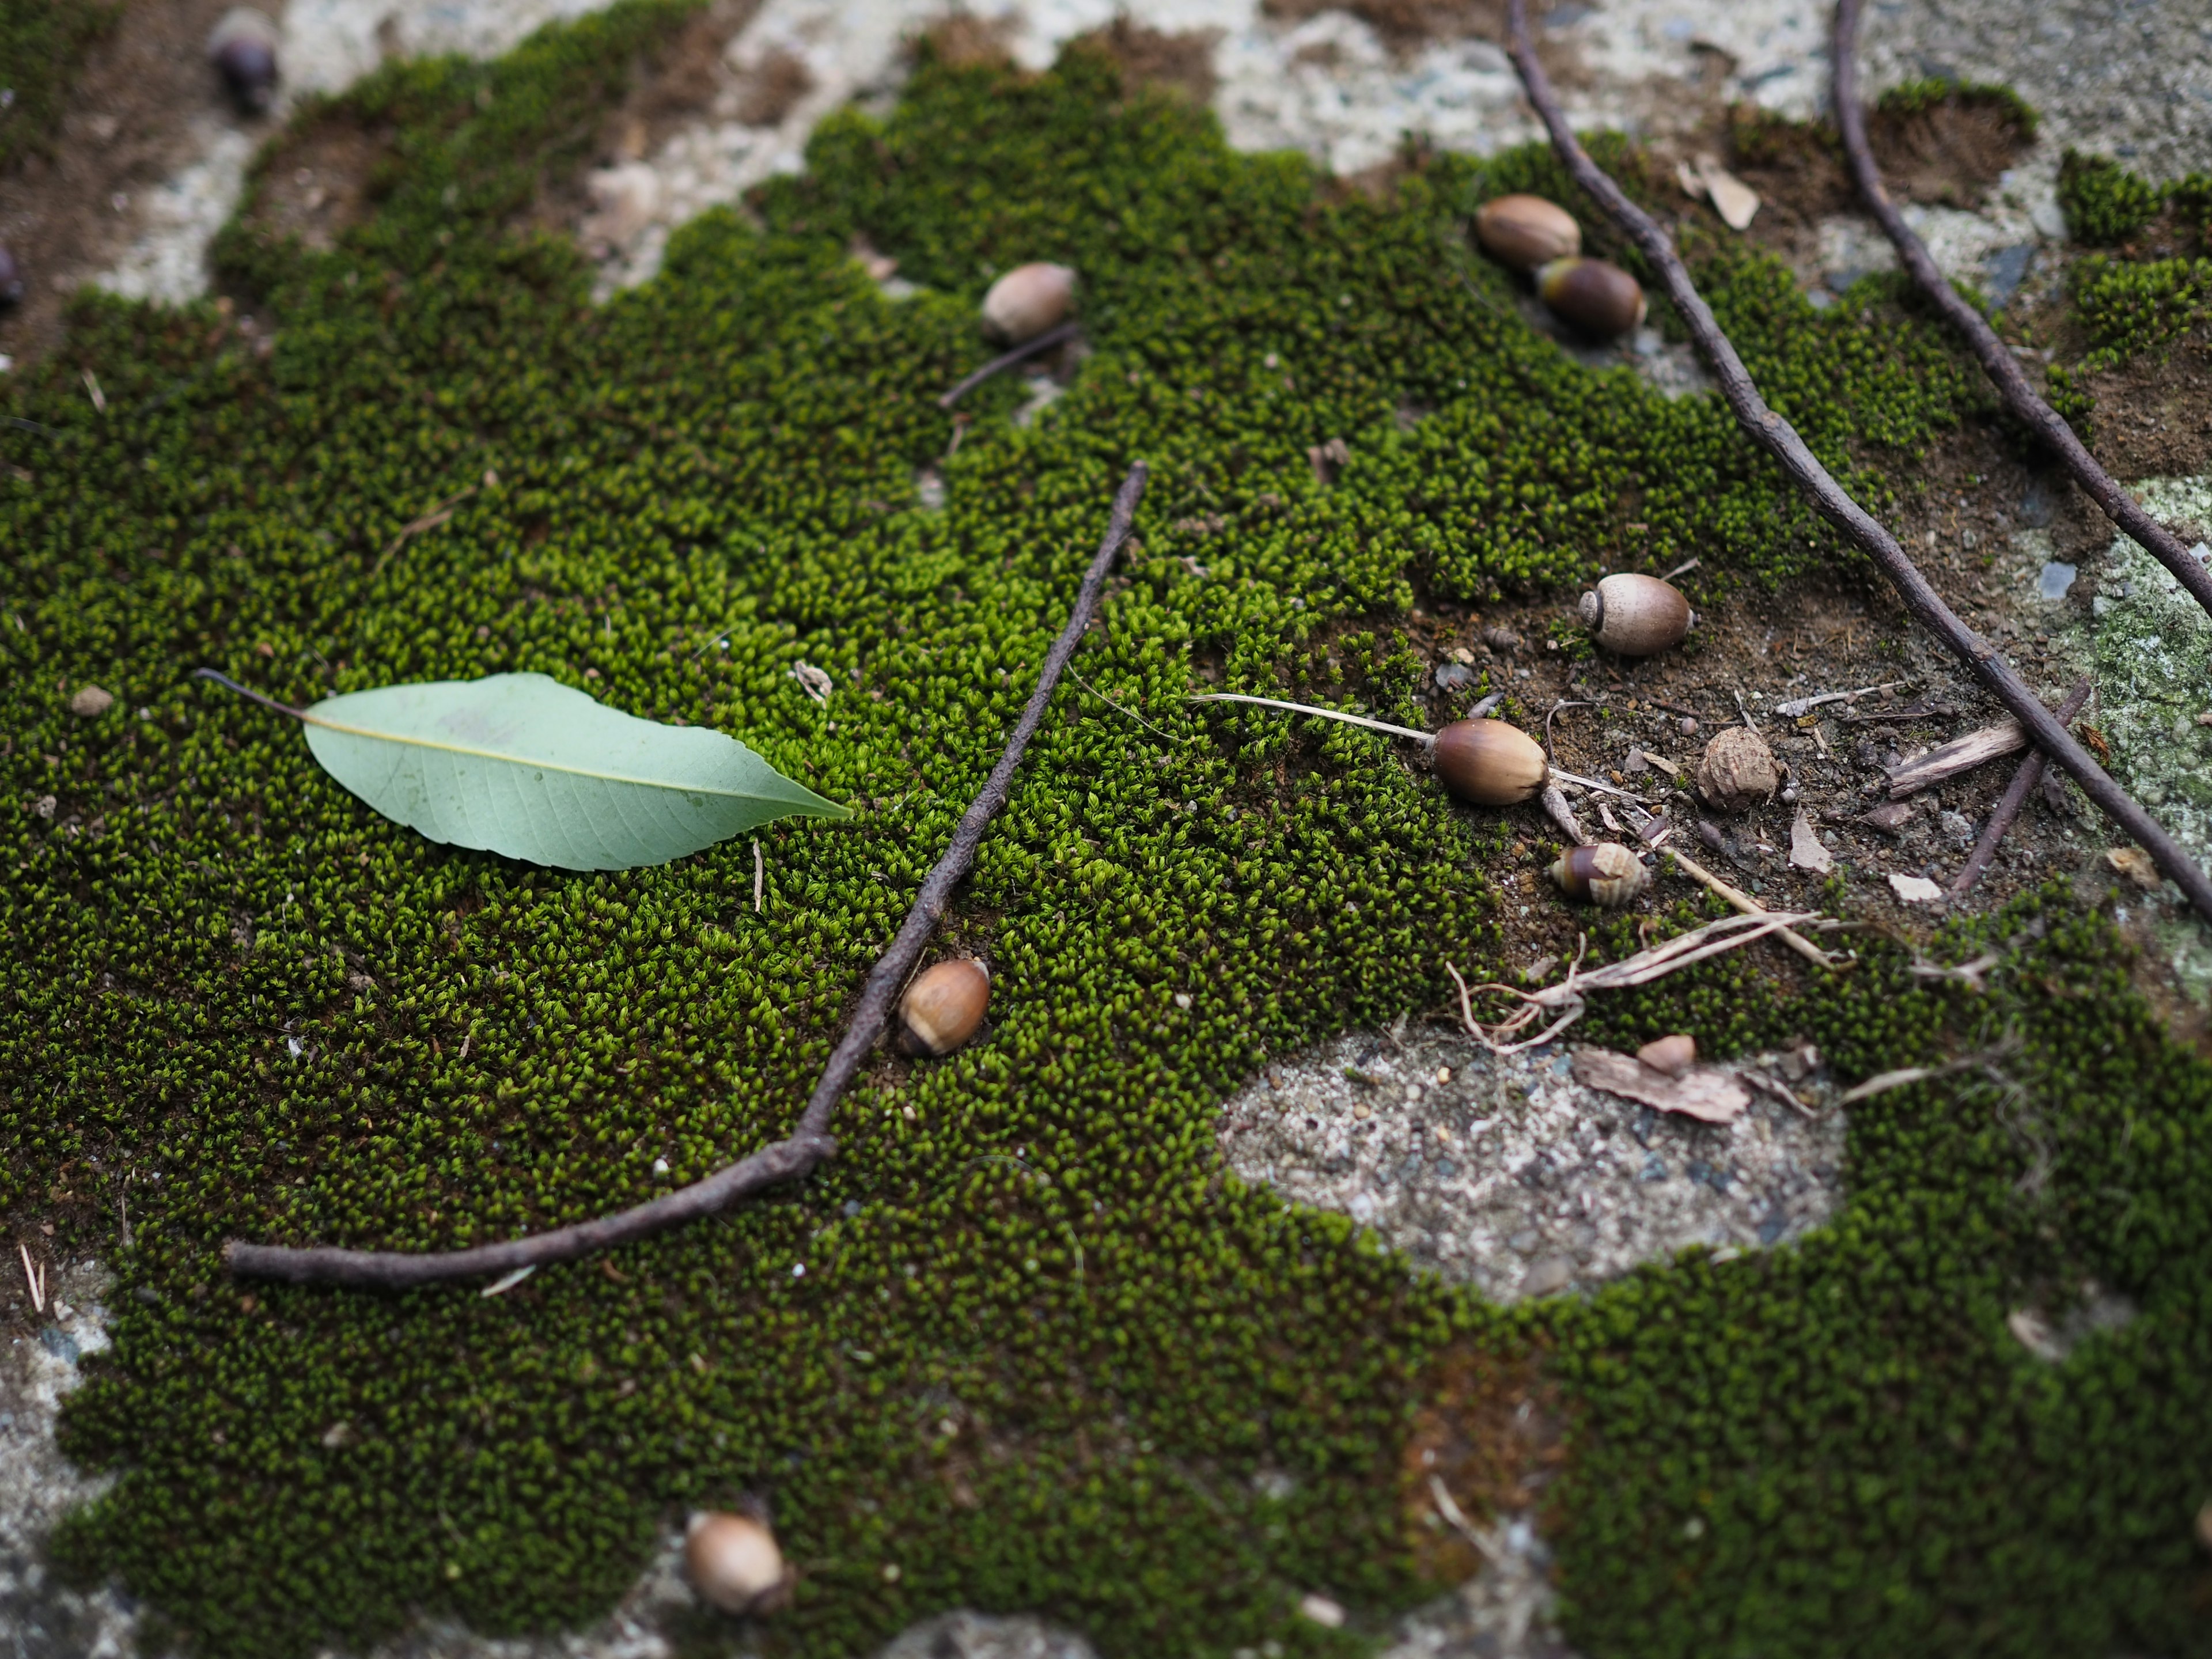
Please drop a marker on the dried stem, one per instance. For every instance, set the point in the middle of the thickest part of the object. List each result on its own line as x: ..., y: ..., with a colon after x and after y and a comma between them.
x: 1989, y: 349
x: 2023, y: 784
x: 1780, y: 439
x: 810, y: 1142
x: 1044, y: 342
x: 1750, y: 907
x: 1325, y: 713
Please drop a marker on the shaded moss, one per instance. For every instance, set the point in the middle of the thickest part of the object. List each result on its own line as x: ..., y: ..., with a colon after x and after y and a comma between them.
x: 42, y: 43
x: 1021, y: 1341
x: 2103, y: 202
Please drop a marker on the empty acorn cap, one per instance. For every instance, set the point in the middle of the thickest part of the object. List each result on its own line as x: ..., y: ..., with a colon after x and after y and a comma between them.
x: 1738, y: 770
x: 1594, y: 296
x: 1606, y: 874
x: 1528, y: 231
x: 1027, y: 301
x: 1636, y: 616
x: 733, y: 1562
x: 1673, y: 1054
x: 944, y: 1007
x: 1490, y: 764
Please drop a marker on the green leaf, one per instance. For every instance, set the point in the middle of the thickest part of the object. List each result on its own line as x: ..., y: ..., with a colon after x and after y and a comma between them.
x: 522, y: 766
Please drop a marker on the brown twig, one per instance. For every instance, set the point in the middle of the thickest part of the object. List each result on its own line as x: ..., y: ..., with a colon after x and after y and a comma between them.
x: 1027, y: 349
x: 809, y: 1144
x: 1780, y: 439
x: 430, y: 520
x: 1750, y: 907
x: 2008, y: 807
x: 1989, y: 349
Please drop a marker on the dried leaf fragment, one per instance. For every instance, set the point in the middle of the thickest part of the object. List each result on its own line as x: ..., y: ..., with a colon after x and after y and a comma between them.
x: 2135, y: 865
x: 1805, y: 852
x: 1707, y: 1093
x: 1915, y: 889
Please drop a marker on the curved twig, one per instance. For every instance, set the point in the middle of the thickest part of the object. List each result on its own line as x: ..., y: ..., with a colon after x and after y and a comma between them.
x: 1780, y: 439
x: 809, y: 1142
x: 1044, y: 342
x: 1990, y: 350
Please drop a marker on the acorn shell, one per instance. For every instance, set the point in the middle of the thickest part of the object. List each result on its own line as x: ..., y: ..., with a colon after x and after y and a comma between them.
x: 1673, y: 1054
x: 11, y: 278
x: 944, y: 1007
x: 1027, y: 301
x: 1608, y: 875
x: 1636, y: 616
x: 1738, y: 770
x: 243, y: 49
x: 1490, y: 764
x: 1596, y: 297
x: 734, y: 1563
x: 1527, y: 231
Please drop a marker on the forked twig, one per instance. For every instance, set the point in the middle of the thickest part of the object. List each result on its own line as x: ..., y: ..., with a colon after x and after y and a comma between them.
x: 1568, y: 998
x: 1989, y: 348
x: 809, y: 1144
x: 1780, y: 439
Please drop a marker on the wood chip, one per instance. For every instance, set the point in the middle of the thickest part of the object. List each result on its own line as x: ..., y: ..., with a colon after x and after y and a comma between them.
x: 2135, y: 865
x: 1805, y: 852
x: 1707, y: 1093
x: 1960, y: 755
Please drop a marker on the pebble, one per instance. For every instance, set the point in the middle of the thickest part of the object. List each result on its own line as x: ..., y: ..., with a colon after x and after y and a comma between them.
x: 90, y: 701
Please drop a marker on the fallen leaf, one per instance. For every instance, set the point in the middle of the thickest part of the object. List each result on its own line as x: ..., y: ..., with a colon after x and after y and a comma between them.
x: 2135, y: 865
x: 521, y: 765
x: 1707, y: 1093
x: 1736, y: 202
x: 1805, y: 849
x: 1915, y: 889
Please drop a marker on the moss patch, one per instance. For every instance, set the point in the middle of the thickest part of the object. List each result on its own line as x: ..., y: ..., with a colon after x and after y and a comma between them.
x: 42, y: 42
x: 1022, y: 1341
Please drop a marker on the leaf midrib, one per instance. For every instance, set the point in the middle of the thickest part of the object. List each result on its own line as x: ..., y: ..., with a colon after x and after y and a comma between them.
x: 542, y: 765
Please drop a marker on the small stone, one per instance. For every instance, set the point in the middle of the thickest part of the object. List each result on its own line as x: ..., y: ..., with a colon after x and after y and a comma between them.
x: 1322, y: 1611
x: 1548, y: 1274
x: 2056, y: 580
x: 1890, y: 817
x: 1453, y: 677
x: 1956, y: 827
x: 1687, y: 725
x: 1915, y: 889
x: 90, y: 701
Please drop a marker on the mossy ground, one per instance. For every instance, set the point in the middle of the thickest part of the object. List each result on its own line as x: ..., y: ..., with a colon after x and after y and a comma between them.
x: 1022, y: 1341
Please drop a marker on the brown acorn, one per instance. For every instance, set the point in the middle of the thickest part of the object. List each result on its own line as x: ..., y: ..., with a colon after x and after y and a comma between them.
x: 11, y: 278
x: 734, y: 1563
x: 1527, y: 231
x: 243, y: 49
x: 1673, y: 1054
x: 1636, y: 616
x: 943, y: 1006
x: 1027, y: 301
x: 1738, y: 770
x: 1596, y: 297
x: 1607, y: 874
x: 1490, y: 764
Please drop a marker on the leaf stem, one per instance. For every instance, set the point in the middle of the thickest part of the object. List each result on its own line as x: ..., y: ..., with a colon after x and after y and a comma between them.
x: 1325, y: 713
x: 247, y: 692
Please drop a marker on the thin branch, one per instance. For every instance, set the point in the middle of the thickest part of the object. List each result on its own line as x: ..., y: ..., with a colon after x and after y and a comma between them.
x: 1780, y: 439
x: 809, y: 1143
x: 1325, y: 713
x: 1989, y: 349
x: 1044, y: 342
x: 2024, y: 781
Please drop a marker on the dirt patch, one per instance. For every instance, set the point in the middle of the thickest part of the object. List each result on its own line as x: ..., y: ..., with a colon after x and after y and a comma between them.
x: 772, y: 87
x: 1405, y: 26
x: 316, y: 184
x: 1182, y: 63
x: 964, y: 40
x: 70, y: 211
x: 2153, y: 414
x: 1490, y: 1430
x: 1948, y: 154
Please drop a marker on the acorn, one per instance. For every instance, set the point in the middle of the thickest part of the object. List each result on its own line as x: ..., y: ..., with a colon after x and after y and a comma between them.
x: 243, y: 49
x: 1596, y: 297
x: 942, y: 1009
x: 1636, y: 616
x: 1738, y: 770
x: 1674, y: 1055
x: 11, y: 278
x: 1607, y: 874
x: 1527, y: 231
x: 1490, y: 764
x: 734, y: 1563
x: 1027, y: 301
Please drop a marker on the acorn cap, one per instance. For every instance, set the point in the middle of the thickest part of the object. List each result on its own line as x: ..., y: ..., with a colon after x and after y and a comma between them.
x: 1636, y: 616
x: 1027, y: 301
x: 1596, y: 297
x: 1527, y: 231
x: 944, y: 1007
x: 1490, y: 764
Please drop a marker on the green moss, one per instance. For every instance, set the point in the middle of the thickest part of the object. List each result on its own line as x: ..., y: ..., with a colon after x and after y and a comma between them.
x: 2103, y: 202
x: 42, y: 43
x: 1040, y: 1347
